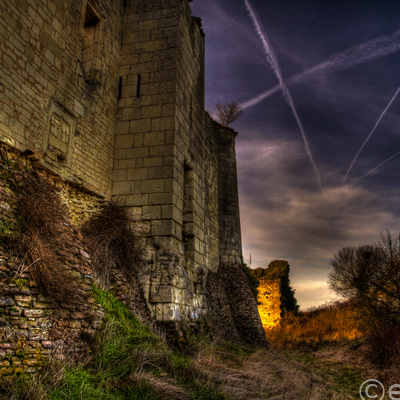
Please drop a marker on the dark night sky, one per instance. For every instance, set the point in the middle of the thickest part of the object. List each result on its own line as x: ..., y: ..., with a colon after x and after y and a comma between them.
x: 340, y: 61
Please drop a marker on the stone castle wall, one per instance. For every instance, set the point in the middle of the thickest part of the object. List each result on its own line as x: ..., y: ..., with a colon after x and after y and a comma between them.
x: 58, y: 85
x: 108, y: 96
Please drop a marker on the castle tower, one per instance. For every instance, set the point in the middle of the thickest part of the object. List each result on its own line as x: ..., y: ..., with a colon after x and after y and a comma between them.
x: 159, y: 167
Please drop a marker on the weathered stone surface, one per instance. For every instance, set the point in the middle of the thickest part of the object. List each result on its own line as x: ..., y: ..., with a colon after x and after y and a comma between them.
x: 6, y: 302
x: 269, y: 299
x: 33, y: 313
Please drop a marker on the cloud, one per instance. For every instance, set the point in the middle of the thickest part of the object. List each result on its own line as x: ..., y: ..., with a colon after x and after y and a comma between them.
x: 283, y: 216
x: 274, y: 63
x: 349, y: 58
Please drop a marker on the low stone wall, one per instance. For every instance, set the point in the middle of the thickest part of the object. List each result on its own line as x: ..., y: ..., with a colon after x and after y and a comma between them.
x: 31, y: 328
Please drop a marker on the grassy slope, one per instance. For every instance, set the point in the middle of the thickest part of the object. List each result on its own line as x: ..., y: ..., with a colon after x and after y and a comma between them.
x: 128, y: 361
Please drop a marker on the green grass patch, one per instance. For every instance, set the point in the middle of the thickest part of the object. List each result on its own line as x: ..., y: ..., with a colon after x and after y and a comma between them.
x: 123, y: 344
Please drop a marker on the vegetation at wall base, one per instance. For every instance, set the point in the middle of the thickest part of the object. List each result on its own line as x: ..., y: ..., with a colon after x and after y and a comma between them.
x: 125, y: 360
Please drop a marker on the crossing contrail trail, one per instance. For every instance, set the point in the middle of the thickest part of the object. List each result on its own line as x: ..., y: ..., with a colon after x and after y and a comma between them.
x: 351, y: 57
x: 372, y: 132
x: 273, y: 61
x: 374, y: 169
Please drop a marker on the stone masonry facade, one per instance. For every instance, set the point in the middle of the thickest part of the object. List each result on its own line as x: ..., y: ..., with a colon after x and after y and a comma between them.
x: 108, y: 96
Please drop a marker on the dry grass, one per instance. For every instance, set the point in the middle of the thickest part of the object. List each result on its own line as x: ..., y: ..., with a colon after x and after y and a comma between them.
x: 113, y: 239
x: 334, y: 335
x: 264, y: 375
x: 334, y: 322
x: 41, y: 215
x: 52, y: 374
x: 166, y: 390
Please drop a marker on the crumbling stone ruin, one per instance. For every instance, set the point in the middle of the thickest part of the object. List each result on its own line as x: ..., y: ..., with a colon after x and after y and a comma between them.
x: 106, y: 98
x: 269, y: 302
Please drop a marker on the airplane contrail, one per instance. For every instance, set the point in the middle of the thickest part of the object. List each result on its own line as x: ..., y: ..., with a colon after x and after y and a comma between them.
x: 374, y: 169
x: 351, y: 57
x: 273, y: 61
x: 372, y: 132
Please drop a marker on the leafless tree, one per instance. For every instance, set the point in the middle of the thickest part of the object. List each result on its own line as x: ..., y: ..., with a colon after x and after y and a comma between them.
x: 370, y: 276
x: 228, y: 112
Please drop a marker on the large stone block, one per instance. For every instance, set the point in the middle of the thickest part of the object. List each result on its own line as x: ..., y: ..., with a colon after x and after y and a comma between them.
x: 162, y: 294
x: 125, y: 164
x: 163, y: 123
x: 138, y: 152
x: 119, y: 175
x: 167, y: 150
x: 161, y: 198
x: 171, y: 212
x: 137, y: 200
x: 153, y: 161
x: 151, y: 111
x: 151, y: 212
x: 137, y: 174
x: 123, y: 188
x: 154, y: 138
x: 169, y: 243
x: 163, y: 228
x: 153, y: 186
x: 165, y: 171
x: 124, y: 141
x: 140, y: 126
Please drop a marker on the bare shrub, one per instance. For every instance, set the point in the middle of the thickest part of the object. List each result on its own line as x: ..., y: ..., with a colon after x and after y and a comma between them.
x: 370, y: 277
x: 228, y: 112
x: 383, y: 346
x: 113, y: 239
x: 41, y: 215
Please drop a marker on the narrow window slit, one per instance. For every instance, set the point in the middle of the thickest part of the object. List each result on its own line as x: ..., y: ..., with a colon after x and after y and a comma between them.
x: 120, y: 88
x: 138, y: 86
